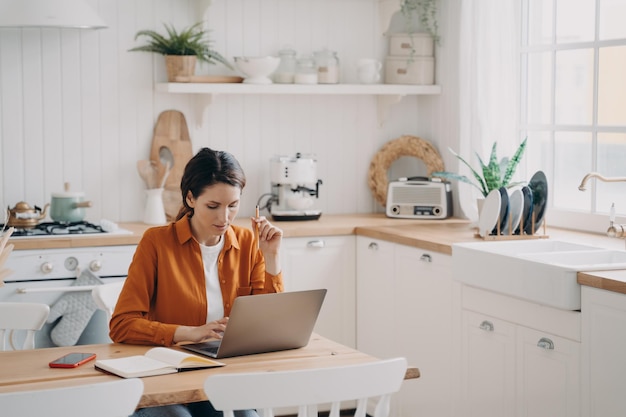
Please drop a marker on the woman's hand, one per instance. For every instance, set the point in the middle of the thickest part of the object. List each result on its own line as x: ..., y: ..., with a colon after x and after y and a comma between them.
x: 212, y: 330
x: 270, y: 238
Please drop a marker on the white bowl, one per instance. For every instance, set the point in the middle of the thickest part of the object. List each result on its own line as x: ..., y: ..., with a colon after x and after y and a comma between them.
x: 257, y: 70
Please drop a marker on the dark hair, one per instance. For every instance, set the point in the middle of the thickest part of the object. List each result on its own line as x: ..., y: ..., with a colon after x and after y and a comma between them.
x: 206, y: 168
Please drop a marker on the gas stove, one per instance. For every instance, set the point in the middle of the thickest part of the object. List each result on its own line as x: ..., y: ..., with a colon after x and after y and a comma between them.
x: 56, y: 229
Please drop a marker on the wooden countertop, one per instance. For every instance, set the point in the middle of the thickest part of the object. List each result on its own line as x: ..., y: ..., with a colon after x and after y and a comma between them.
x: 434, y: 235
x: 327, y: 225
x: 614, y: 281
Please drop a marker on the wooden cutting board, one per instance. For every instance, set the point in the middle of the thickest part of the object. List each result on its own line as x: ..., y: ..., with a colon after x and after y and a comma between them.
x: 171, y: 133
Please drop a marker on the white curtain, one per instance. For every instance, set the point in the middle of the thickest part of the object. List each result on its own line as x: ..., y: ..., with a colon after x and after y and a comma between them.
x: 489, y: 86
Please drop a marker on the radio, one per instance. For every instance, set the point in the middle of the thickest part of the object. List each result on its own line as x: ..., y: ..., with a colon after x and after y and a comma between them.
x: 411, y: 198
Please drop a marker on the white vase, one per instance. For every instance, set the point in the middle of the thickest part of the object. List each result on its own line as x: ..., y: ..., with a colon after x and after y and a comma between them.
x: 154, y: 212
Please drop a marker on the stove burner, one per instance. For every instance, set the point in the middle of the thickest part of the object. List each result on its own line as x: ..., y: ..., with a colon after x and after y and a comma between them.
x: 58, y: 228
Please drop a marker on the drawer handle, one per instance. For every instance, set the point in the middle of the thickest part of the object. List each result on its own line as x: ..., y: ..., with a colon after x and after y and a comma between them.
x: 487, y: 326
x: 545, y: 343
x: 373, y: 246
x: 426, y: 258
x: 315, y: 244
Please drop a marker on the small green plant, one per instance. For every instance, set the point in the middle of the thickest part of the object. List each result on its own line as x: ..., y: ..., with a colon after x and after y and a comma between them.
x: 426, y: 10
x: 495, y: 174
x: 192, y: 40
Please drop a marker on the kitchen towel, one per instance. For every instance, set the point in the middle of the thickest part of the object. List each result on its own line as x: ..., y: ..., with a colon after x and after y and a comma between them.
x: 75, y: 310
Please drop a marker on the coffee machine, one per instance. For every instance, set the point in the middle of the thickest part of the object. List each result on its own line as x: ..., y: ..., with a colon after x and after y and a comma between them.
x: 295, y: 187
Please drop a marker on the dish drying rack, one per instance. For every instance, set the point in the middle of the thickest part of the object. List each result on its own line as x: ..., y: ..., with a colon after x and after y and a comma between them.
x: 511, y: 236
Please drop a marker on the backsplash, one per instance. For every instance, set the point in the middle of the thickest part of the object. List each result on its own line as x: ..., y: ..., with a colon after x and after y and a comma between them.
x: 76, y: 107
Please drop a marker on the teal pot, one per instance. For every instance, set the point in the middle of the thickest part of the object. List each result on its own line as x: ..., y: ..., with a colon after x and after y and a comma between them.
x: 68, y: 207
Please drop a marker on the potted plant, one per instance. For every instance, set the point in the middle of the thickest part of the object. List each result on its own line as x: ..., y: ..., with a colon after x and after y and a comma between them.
x: 181, y: 49
x: 495, y: 174
x: 426, y: 10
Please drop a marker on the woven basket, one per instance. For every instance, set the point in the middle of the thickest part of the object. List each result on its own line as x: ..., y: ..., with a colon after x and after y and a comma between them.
x: 394, y: 149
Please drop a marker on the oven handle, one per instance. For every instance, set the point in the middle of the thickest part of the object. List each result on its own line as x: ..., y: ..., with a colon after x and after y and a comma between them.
x: 56, y: 289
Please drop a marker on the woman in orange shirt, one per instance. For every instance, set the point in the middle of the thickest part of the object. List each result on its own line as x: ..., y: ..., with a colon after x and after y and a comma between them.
x: 184, y: 276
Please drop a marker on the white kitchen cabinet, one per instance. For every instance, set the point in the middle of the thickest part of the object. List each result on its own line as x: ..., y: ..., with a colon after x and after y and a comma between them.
x: 488, y: 366
x: 406, y: 304
x: 604, y: 353
x: 325, y: 262
x: 518, y: 358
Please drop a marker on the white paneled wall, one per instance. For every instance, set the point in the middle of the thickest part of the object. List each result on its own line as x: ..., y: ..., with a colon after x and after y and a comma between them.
x: 77, y: 107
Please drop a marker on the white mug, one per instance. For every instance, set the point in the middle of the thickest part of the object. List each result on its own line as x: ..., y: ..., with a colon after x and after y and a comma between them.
x: 368, y: 70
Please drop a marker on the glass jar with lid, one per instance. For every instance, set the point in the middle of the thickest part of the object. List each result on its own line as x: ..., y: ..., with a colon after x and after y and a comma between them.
x: 306, y: 70
x: 327, y: 66
x: 287, y: 67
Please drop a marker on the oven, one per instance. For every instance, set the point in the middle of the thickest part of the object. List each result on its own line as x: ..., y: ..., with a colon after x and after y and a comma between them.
x: 46, y: 275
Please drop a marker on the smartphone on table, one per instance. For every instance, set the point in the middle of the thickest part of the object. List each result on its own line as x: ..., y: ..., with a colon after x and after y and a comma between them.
x: 72, y: 360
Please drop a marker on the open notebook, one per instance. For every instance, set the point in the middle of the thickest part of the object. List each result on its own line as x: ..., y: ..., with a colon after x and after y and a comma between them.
x: 266, y: 323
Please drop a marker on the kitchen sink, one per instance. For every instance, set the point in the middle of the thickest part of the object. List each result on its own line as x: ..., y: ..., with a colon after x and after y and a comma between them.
x: 540, y: 270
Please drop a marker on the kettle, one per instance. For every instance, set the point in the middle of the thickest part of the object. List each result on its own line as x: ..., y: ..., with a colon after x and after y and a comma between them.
x: 23, y: 216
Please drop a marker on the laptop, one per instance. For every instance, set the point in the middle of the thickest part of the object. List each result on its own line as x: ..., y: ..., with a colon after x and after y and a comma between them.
x: 266, y: 323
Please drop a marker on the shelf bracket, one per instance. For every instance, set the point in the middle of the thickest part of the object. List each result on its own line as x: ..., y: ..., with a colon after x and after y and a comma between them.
x: 203, y: 101
x: 384, y: 102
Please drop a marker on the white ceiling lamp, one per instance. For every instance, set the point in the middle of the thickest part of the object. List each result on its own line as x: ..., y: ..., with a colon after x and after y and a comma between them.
x: 49, y: 14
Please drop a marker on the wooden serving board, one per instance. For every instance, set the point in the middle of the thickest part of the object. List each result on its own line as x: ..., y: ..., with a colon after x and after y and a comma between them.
x: 208, y: 79
x: 171, y: 132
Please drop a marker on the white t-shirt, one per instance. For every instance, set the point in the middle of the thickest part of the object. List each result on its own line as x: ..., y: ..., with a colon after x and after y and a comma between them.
x: 215, y: 309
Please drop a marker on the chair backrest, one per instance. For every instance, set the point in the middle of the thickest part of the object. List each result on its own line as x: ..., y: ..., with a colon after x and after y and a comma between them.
x: 306, y: 389
x: 105, y: 296
x: 29, y: 317
x: 116, y: 398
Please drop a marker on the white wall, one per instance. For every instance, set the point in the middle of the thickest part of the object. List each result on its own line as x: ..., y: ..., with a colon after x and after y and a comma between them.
x: 76, y: 107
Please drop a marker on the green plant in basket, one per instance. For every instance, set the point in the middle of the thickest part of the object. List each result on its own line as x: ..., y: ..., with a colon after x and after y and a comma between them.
x: 495, y: 174
x: 190, y: 41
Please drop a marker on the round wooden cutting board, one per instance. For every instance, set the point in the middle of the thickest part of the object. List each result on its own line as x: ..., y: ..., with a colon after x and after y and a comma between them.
x: 171, y: 135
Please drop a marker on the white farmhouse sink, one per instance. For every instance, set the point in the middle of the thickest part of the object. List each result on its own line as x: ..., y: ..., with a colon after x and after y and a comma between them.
x: 541, y: 270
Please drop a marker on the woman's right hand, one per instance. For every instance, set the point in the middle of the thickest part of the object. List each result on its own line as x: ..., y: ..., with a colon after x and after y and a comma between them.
x: 211, y: 330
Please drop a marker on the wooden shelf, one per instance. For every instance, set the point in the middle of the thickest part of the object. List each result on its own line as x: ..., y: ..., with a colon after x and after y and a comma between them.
x: 387, y: 94
x: 326, y: 89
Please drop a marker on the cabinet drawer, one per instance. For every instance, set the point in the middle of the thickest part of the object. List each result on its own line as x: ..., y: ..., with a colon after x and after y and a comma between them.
x: 564, y: 323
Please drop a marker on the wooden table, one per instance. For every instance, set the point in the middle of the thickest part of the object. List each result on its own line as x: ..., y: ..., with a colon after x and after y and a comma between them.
x: 28, y: 370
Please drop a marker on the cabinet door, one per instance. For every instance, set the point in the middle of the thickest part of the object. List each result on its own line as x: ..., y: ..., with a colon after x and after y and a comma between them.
x: 548, y: 374
x: 423, y: 309
x: 604, y: 358
x: 488, y: 370
x: 325, y: 262
x: 376, y: 328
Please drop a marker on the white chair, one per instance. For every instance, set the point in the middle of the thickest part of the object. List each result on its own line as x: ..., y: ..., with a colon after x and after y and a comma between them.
x: 105, y: 296
x: 306, y: 389
x: 117, y: 398
x: 29, y: 317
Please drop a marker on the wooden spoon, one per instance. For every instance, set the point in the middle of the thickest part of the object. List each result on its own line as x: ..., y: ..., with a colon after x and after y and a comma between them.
x: 147, y: 173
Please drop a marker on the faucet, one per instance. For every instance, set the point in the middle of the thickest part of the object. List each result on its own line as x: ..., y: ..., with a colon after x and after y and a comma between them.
x: 614, y: 230
x: 581, y: 187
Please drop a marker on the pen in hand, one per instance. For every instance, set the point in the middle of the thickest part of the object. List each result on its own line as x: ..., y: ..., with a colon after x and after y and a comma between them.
x: 256, y: 226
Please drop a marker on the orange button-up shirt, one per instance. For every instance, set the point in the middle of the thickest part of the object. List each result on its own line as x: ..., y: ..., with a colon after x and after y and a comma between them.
x: 166, y: 286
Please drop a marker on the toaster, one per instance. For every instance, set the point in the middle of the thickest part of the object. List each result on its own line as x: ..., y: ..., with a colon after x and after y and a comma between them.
x: 419, y: 198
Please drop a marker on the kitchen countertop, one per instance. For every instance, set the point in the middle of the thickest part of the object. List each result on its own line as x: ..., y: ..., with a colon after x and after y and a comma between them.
x: 434, y: 235
x: 614, y: 281
x: 327, y: 225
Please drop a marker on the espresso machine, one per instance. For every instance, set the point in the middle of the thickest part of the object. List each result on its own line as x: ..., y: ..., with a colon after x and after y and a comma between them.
x: 295, y: 187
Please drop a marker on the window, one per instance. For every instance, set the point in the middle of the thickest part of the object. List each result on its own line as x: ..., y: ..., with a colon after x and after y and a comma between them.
x: 573, y: 90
